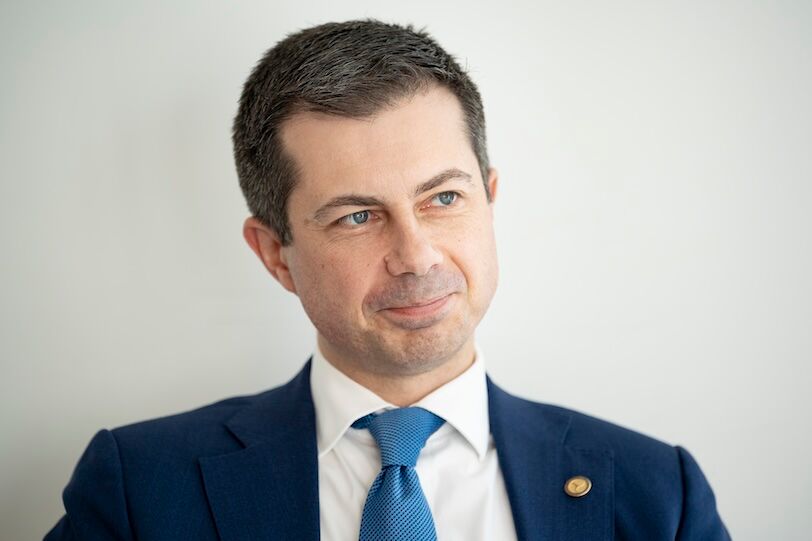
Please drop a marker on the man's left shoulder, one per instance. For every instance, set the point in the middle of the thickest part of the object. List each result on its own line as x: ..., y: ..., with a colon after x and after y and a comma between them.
x: 639, y: 461
x: 632, y: 452
x: 656, y: 486
x: 588, y: 431
x: 576, y: 429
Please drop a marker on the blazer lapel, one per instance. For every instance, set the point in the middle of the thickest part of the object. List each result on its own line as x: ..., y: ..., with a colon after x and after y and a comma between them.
x: 269, y: 489
x: 536, y: 463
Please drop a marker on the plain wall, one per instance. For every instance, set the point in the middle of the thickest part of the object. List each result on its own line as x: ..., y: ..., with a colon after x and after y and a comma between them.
x: 653, y: 222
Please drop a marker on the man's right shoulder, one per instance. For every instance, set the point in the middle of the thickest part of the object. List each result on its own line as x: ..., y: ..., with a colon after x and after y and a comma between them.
x: 207, y: 430
x: 192, y: 433
x: 148, y: 472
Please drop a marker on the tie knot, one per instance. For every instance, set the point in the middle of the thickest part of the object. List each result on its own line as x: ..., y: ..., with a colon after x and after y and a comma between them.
x: 401, y: 433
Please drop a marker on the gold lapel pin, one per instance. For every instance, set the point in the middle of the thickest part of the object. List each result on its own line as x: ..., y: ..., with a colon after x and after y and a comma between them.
x: 577, y: 486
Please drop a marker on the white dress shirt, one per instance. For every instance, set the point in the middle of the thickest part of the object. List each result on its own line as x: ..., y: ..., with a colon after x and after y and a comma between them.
x: 458, y: 468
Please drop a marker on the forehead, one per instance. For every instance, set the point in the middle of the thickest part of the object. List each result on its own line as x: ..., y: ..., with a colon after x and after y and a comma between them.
x: 396, y: 149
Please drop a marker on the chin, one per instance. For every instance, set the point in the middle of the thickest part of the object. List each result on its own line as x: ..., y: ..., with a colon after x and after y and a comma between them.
x: 421, y: 350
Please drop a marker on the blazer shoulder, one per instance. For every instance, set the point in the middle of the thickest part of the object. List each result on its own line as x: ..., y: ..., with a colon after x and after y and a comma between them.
x: 588, y: 430
x: 634, y: 453
x: 209, y: 429
x: 201, y: 430
x: 666, y: 477
x: 578, y: 429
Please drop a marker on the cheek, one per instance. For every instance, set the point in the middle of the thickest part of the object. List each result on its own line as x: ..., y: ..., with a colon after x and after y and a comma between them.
x: 334, y: 283
x: 476, y: 250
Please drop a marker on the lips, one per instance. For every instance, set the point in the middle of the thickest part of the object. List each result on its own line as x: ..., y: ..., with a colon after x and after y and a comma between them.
x: 420, y: 315
x: 418, y: 304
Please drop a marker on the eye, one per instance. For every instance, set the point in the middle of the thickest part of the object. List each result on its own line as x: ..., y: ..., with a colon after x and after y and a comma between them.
x: 354, y: 219
x: 445, y: 199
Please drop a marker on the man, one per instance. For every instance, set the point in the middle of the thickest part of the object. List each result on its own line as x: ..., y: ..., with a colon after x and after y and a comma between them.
x: 360, y: 148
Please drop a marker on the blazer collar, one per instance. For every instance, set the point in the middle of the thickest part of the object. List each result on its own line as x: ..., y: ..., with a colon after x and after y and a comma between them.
x: 536, y: 463
x: 269, y: 489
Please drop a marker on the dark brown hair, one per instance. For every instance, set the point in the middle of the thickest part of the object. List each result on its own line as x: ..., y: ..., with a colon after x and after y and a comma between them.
x: 352, y: 69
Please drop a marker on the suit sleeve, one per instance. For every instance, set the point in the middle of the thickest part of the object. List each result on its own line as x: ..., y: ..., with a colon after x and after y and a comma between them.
x: 700, y: 521
x: 95, y: 505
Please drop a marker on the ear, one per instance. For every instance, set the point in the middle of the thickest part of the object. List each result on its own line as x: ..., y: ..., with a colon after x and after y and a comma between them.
x: 493, y: 183
x: 264, y: 241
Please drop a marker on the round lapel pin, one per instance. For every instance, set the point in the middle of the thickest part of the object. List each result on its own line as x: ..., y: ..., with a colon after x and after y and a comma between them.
x: 577, y: 486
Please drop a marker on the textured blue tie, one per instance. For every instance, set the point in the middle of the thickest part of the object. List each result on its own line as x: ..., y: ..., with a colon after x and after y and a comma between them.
x: 396, y: 509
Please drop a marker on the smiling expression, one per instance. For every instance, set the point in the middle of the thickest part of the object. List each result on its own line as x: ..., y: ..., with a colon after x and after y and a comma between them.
x: 393, y: 253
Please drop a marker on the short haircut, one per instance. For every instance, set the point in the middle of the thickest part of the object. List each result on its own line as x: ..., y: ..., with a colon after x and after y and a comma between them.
x: 352, y: 69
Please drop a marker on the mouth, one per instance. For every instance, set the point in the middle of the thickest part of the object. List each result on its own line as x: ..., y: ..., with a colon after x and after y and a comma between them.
x: 421, y: 314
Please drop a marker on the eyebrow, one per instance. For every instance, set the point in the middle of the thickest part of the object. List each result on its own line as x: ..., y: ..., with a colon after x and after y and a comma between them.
x: 356, y: 200
x: 440, y: 178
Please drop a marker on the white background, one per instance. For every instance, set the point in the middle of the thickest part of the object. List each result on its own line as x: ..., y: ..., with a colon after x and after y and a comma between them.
x: 653, y: 223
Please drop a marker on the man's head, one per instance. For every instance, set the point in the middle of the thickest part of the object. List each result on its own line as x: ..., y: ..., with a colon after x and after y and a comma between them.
x: 352, y: 69
x: 379, y: 217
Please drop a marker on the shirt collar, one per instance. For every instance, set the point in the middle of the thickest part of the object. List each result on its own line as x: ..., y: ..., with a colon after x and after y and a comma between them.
x: 339, y: 401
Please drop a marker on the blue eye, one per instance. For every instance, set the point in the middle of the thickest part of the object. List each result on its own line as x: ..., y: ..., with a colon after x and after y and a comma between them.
x: 445, y: 198
x: 356, y: 218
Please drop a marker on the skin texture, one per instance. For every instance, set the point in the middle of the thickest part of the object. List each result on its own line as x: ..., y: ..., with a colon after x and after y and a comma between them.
x: 396, y: 274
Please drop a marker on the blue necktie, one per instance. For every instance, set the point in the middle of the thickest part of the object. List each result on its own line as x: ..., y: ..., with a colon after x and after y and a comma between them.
x: 396, y: 509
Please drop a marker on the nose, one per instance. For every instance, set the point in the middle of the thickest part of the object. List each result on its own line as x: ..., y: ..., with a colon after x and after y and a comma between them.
x: 412, y: 251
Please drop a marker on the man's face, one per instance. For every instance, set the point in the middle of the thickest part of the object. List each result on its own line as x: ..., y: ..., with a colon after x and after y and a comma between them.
x: 393, y: 253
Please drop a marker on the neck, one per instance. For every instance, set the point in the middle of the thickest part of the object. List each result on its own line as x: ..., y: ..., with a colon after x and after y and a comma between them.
x: 403, y: 390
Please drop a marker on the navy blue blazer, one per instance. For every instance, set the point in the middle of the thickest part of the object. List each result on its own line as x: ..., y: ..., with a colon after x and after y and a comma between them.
x: 246, y: 469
